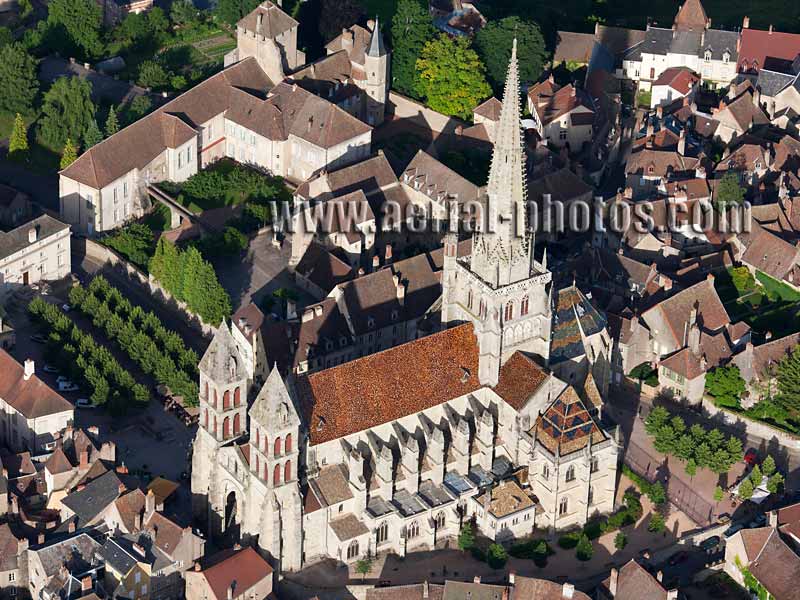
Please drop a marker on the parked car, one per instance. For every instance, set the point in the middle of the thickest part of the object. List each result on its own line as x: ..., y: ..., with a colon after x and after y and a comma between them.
x: 733, y: 529
x: 50, y: 369
x: 62, y: 379
x: 751, y: 457
x: 84, y: 403
x: 66, y: 307
x: 758, y: 521
x: 709, y: 542
x: 67, y: 386
x: 678, y: 558
x: 39, y: 338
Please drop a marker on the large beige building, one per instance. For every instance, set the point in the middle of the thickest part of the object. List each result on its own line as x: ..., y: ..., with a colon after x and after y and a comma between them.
x: 394, y: 451
x: 247, y: 112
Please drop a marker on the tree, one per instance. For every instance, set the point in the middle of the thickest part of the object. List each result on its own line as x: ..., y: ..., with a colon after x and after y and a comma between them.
x: 656, y: 419
x: 774, y: 483
x: 18, y: 143
x: 746, y: 489
x: 497, y: 556
x: 718, y: 494
x: 620, y: 541
x: 152, y: 75
x: 92, y: 136
x: 230, y: 11
x: 412, y: 28
x: 6, y: 37
x: 584, y: 550
x: 684, y: 448
x: 691, y: 467
x: 657, y: 523
x: 657, y: 493
x: 756, y: 476
x: 67, y: 111
x: 336, y: 15
x: 768, y: 466
x: 183, y: 13
x: 725, y: 384
x: 466, y: 537
x: 139, y: 107
x: 494, y: 41
x: 451, y: 76
x: 17, y: 79
x: 363, y: 567
x: 78, y: 23
x: 69, y: 156
x: 729, y: 191
x: 789, y: 381
x: 112, y: 125
x: 743, y: 279
x: 666, y: 441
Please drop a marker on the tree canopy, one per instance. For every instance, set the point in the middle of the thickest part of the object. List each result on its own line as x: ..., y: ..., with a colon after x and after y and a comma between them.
x: 789, y: 381
x: 729, y: 191
x: 452, y: 78
x: 230, y: 11
x: 112, y: 123
x: 77, y: 24
x: 494, y: 41
x: 67, y: 111
x: 412, y: 28
x: 18, y: 142
x: 92, y: 135
x: 726, y: 385
x: 69, y: 156
x: 17, y: 79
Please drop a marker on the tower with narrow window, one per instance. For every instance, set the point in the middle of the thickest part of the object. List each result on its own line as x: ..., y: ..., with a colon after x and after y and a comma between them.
x: 376, y: 65
x: 500, y: 287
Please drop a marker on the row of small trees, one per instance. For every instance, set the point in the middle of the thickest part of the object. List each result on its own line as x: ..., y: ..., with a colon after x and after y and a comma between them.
x: 766, y: 469
x: 698, y: 447
x: 86, y: 361
x: 141, y: 335
x: 190, y: 279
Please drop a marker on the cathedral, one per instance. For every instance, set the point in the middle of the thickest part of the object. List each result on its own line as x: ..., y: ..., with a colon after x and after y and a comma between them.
x: 396, y: 450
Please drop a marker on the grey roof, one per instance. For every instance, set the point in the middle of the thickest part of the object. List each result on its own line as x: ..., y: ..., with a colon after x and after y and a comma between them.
x: 457, y: 484
x: 17, y: 239
x: 378, y: 507
x: 634, y: 53
x: 718, y: 41
x: 273, y: 406
x: 407, y: 504
x: 94, y: 498
x: 686, y: 42
x: 222, y: 361
x: 376, y: 47
x: 772, y: 82
x: 657, y: 41
x: 434, y: 495
x: 77, y: 551
x: 121, y: 555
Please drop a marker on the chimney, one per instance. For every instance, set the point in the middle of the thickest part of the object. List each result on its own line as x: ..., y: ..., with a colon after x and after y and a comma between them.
x: 149, y: 504
x: 660, y: 111
x: 672, y: 595
x: 628, y: 193
x: 230, y: 592
x: 139, y: 550
x: 572, y: 91
x: 388, y: 254
x: 137, y: 521
x: 476, y: 579
x: 660, y: 576
x: 746, y: 22
x: 40, y: 539
x: 122, y: 470
x: 773, y: 518
x: 425, y: 590
x: 612, y: 582
x: 121, y: 488
x: 83, y: 459
x: 197, y: 566
x: 768, y: 335
x: 686, y: 100
x: 667, y: 284
x: 30, y: 369
x: 648, y: 143
x: 650, y: 128
x: 512, y: 577
x: 710, y: 278
x: 259, y: 20
x: 86, y: 583
x: 770, y: 30
x: 71, y: 527
x: 360, y: 272
x: 376, y: 262
x: 401, y: 289
x: 567, y: 590
x: 371, y: 24
x: 682, y: 143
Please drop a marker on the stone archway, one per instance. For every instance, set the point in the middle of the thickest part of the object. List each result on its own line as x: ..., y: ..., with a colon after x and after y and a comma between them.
x: 230, y: 511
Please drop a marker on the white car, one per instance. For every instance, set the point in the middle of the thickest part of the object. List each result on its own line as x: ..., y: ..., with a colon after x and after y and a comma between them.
x: 67, y: 386
x: 62, y: 379
x: 83, y: 403
x: 50, y: 369
x: 66, y: 307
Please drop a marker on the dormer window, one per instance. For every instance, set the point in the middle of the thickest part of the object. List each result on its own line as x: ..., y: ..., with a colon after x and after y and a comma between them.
x: 726, y: 56
x: 708, y: 55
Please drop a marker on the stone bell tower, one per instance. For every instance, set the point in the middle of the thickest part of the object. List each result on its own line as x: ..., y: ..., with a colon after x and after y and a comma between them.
x: 500, y: 287
x: 376, y: 65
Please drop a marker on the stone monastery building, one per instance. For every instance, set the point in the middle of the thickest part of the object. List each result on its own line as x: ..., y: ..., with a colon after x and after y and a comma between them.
x: 394, y: 451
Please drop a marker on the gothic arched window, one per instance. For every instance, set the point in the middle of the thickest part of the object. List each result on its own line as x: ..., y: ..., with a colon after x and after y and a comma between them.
x: 265, y: 444
x: 237, y: 425
x: 215, y: 425
x: 523, y: 309
x: 205, y: 418
x: 287, y: 445
x: 226, y: 428
x: 469, y: 299
x: 546, y: 471
x: 277, y: 448
x: 413, y: 530
x: 509, y: 311
x: 352, y: 550
x: 266, y: 472
x: 206, y: 389
x: 440, y: 520
x: 258, y: 438
x: 563, y: 506
x: 383, y: 532
x: 237, y: 397
x: 276, y: 475
x: 215, y: 399
x: 287, y: 471
x: 570, y: 476
x: 226, y: 400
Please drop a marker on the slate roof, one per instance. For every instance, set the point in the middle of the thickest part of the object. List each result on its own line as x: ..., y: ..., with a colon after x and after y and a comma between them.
x: 566, y: 426
x: 390, y: 384
x: 78, y: 551
x: 32, y: 398
x: 438, y: 181
x: 17, y: 239
x: 93, y: 499
x: 221, y: 361
x: 719, y: 41
x: 574, y: 318
x: 9, y: 548
x: 368, y: 176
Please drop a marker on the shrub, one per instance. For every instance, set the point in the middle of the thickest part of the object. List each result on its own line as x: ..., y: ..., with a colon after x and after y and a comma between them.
x: 620, y: 541
x: 657, y: 523
x: 466, y: 537
x: 593, y: 529
x: 538, y: 550
x: 497, y: 556
x: 569, y: 540
x: 584, y: 550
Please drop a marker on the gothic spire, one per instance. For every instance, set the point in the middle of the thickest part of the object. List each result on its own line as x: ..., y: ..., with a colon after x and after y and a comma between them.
x: 501, y: 255
x: 376, y: 48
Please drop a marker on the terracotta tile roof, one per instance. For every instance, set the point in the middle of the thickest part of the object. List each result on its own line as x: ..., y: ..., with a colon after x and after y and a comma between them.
x: 652, y: 162
x: 58, y: 462
x: 438, y: 181
x: 9, y: 549
x: 162, y: 488
x: 167, y: 534
x: 249, y: 319
x: 618, y: 39
x: 684, y: 363
x: 744, y: 112
x: 323, y: 267
x: 506, y: 498
x: 753, y: 541
x: 490, y: 109
x: 368, y: 175
x: 274, y: 21
x: 311, y: 501
x: 635, y: 583
x: 129, y: 506
x: 332, y: 77
x: 757, y: 45
x: 681, y: 79
x: 776, y: 568
x: 348, y: 527
x: 32, y: 398
x: 551, y: 101
x: 520, y: 377
x: 372, y: 299
x: 566, y: 426
x: 573, y: 47
x: 562, y: 185
x: 331, y: 484
x: 244, y: 566
x: 416, y: 591
x: 769, y: 253
x: 530, y: 588
x: 691, y: 17
x: 693, y: 189
x: 353, y: 40
x: 389, y: 385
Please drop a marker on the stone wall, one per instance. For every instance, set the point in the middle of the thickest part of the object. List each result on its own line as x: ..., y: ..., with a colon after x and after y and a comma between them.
x: 401, y: 107
x: 752, y: 427
x: 99, y: 253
